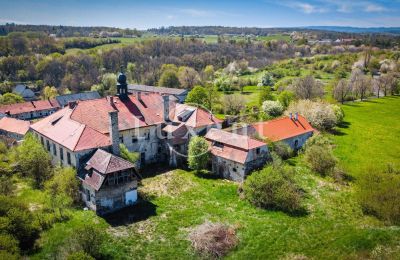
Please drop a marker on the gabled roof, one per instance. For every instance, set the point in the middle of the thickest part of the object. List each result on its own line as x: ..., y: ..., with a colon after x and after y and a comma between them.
x: 239, y: 141
x: 69, y: 133
x: 23, y: 91
x: 161, y: 90
x: 64, y: 99
x: 231, y: 146
x: 13, y: 125
x: 30, y: 106
x: 283, y: 128
x: 193, y: 116
x: 106, y: 163
x: 132, y: 113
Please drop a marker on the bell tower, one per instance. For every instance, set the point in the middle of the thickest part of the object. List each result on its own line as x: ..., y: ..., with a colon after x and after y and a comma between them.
x: 122, y: 86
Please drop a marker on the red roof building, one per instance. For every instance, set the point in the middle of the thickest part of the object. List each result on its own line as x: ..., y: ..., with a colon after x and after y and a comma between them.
x: 233, y: 155
x: 30, y: 110
x: 283, y: 128
x: 14, y: 128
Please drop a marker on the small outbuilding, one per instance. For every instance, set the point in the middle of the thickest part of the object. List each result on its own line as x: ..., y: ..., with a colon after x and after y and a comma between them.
x: 25, y: 92
x: 234, y: 156
x: 14, y: 128
x: 109, y: 183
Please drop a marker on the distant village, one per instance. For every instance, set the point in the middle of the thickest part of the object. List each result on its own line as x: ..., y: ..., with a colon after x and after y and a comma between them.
x: 84, y: 131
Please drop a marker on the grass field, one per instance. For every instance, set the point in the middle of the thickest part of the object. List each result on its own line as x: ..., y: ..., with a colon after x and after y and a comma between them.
x: 371, y: 136
x: 333, y: 228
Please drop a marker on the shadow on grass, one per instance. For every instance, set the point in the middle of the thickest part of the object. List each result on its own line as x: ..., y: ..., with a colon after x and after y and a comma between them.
x: 207, y: 175
x: 154, y: 170
x: 142, y: 210
x: 337, y: 131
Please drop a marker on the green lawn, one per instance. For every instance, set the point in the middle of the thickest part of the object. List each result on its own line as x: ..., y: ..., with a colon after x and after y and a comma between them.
x: 334, y: 228
x: 371, y: 136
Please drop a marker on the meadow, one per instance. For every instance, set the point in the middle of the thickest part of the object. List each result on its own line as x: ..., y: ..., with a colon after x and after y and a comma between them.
x: 334, y: 226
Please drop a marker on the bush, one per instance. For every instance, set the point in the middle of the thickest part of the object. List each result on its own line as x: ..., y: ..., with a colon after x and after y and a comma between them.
x: 282, y: 150
x: 339, y: 113
x: 379, y: 194
x: 272, y: 108
x: 321, y: 115
x: 274, y: 188
x: 213, y: 240
x: 320, y: 159
x: 88, y: 239
x: 80, y: 255
x: 132, y: 157
x: 285, y: 97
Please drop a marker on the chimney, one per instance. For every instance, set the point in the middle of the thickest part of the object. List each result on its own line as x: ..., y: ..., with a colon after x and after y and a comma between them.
x: 296, y: 115
x: 114, y: 133
x: 291, y: 115
x: 71, y: 104
x: 139, y: 96
x: 166, y: 107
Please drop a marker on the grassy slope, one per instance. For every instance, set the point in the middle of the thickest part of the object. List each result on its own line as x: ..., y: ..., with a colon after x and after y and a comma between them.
x: 372, y: 135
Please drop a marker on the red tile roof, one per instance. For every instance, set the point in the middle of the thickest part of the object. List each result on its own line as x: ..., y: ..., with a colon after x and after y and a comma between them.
x: 30, y: 106
x: 71, y: 134
x: 106, y: 163
x: 199, y: 117
x: 235, y: 147
x: 13, y: 125
x: 283, y: 128
x: 94, y: 180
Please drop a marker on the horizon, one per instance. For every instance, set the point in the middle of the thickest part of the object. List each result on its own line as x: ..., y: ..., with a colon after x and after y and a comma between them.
x: 144, y: 15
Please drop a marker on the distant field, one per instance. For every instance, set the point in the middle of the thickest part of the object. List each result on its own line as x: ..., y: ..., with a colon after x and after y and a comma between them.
x: 371, y: 135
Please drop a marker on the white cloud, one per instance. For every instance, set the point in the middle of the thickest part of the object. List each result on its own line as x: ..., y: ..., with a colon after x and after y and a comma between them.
x: 171, y: 17
x: 305, y: 7
x: 374, y: 8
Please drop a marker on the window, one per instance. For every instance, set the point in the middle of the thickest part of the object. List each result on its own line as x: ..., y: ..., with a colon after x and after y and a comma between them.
x: 148, y: 136
x: 218, y: 144
x: 134, y: 139
x: 61, y: 154
x: 48, y: 145
x: 41, y: 140
x: 234, y: 169
x: 88, y: 195
x: 258, y: 151
x: 121, y: 139
x: 69, y: 158
x: 54, y: 149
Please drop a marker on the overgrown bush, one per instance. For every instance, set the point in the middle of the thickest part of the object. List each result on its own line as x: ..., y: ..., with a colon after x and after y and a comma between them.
x: 274, y: 188
x: 321, y: 115
x: 272, y: 108
x: 378, y: 193
x: 198, y: 153
x: 282, y: 149
x: 88, y: 239
x: 320, y: 159
x: 213, y: 239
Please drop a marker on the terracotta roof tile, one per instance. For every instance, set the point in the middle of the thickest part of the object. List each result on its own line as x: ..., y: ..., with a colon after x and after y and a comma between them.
x: 94, y: 180
x: 283, y: 128
x: 30, y: 106
x: 13, y: 125
x: 106, y: 163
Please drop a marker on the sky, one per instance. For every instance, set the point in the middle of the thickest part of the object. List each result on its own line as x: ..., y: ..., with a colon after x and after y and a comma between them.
x: 144, y: 14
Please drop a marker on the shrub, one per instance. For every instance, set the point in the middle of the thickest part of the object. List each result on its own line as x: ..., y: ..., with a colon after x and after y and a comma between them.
x: 132, y: 157
x: 339, y: 113
x: 272, y: 108
x: 282, y: 149
x: 274, y: 188
x: 198, y: 153
x: 321, y: 115
x: 267, y: 79
x: 378, y: 193
x: 285, y: 97
x: 213, y: 240
x: 320, y: 159
x: 80, y: 255
x: 88, y: 239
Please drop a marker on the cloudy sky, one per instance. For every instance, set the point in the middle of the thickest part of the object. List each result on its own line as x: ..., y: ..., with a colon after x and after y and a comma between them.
x: 156, y: 13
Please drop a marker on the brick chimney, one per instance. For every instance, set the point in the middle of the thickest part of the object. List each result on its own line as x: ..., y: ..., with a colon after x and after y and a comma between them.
x: 114, y: 133
x: 166, y: 107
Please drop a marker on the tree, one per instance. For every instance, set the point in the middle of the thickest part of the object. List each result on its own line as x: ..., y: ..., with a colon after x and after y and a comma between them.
x: 233, y: 104
x: 307, y: 88
x: 198, y: 96
x: 274, y: 188
x: 169, y: 79
x: 109, y: 82
x: 213, y: 96
x: 272, y: 108
x: 10, y: 98
x: 267, y: 79
x: 132, y: 157
x: 64, y: 182
x: 285, y: 97
x: 385, y: 83
x: 265, y: 94
x: 89, y: 239
x: 360, y: 84
x: 208, y: 73
x: 99, y: 88
x: 33, y: 160
x: 49, y: 92
x: 131, y: 72
x: 188, y: 77
x: 341, y: 90
x: 198, y: 153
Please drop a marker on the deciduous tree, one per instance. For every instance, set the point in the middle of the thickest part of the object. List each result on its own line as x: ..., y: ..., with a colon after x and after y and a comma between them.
x: 198, y: 153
